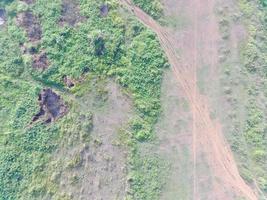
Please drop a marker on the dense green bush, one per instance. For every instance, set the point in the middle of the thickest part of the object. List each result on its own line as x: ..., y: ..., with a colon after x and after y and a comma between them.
x: 264, y: 2
x: 152, y: 7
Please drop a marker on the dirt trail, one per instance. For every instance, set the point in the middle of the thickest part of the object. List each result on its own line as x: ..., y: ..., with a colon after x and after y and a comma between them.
x: 207, y: 136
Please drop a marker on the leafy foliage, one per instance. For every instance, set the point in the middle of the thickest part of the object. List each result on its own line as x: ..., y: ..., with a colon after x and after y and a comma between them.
x: 114, y: 46
x: 264, y: 2
x: 152, y: 7
x: 254, y: 58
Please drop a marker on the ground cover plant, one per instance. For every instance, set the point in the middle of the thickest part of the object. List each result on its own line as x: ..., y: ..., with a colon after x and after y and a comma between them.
x: 254, y: 58
x: 40, y: 49
x: 246, y: 92
x: 153, y: 8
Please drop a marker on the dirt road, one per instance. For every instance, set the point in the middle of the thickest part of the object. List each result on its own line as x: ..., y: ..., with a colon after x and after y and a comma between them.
x: 207, y: 134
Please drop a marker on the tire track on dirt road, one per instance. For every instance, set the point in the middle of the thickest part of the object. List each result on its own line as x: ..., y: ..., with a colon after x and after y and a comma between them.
x: 209, y: 138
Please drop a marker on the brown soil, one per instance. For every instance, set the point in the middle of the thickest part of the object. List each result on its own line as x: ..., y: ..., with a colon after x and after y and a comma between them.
x: 40, y: 61
x: 31, y: 24
x: 198, y: 44
x: 33, y: 28
x: 70, y: 13
x: 51, y: 106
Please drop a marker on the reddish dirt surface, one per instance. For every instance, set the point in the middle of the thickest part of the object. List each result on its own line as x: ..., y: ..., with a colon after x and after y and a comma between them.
x: 196, y: 43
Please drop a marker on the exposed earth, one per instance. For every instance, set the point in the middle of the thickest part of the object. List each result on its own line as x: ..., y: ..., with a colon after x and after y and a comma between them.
x: 133, y: 100
x: 31, y: 24
x: 51, y: 106
x: 200, y: 40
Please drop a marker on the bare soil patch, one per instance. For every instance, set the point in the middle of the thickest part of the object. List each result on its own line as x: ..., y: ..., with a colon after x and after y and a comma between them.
x: 198, y: 47
x: 34, y: 32
x: 70, y: 13
x: 31, y: 24
x: 40, y: 61
x: 100, y: 164
x: 52, y: 106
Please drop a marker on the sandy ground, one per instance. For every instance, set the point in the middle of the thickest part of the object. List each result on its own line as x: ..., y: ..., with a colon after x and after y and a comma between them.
x: 198, y: 46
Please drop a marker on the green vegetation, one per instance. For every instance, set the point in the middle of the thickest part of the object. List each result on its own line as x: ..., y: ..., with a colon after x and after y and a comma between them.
x: 152, y: 168
x: 152, y: 7
x: 254, y: 56
x: 116, y: 47
x: 264, y: 2
x: 245, y: 91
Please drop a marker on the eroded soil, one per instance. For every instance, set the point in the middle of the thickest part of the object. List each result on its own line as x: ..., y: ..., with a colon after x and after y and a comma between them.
x: 32, y: 26
x: 40, y: 61
x: 215, y: 173
x: 51, y: 105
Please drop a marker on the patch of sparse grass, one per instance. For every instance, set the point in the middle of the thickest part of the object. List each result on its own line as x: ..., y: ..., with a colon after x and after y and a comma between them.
x: 248, y: 118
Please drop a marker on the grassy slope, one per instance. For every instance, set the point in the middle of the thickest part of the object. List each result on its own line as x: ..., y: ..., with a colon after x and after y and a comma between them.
x: 132, y: 56
x: 244, y: 86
